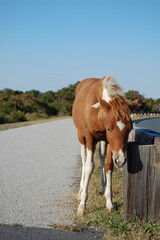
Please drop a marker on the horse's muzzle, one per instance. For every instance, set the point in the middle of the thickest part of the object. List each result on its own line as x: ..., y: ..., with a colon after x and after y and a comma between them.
x: 119, y: 163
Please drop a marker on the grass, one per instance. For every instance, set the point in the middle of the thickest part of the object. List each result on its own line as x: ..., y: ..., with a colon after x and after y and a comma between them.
x: 145, y: 117
x: 69, y: 228
x: 8, y: 126
x: 113, y: 222
x: 16, y: 225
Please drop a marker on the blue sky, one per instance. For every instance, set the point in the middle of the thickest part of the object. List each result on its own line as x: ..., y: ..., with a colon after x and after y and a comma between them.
x: 49, y: 44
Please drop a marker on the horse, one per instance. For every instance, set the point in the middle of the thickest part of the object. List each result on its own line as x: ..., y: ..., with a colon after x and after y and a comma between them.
x: 101, y: 113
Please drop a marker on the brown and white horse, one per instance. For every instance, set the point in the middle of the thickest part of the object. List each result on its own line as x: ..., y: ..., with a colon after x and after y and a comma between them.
x: 101, y: 113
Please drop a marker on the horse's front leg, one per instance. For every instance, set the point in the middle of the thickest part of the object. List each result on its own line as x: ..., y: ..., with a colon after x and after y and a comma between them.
x: 83, y: 157
x: 102, y: 155
x: 88, y: 169
x: 109, y: 169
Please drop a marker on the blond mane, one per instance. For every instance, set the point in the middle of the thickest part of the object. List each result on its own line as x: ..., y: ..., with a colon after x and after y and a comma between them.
x: 112, y: 87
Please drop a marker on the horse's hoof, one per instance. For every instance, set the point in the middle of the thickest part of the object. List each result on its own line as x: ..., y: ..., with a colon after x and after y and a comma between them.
x: 109, y: 210
x: 79, y: 197
x: 80, y: 212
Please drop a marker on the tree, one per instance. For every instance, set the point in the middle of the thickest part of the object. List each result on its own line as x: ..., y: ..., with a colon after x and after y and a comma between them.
x: 133, y: 94
x: 149, y: 105
x: 34, y: 93
x: 46, y: 97
x: 11, y: 92
x: 157, y: 103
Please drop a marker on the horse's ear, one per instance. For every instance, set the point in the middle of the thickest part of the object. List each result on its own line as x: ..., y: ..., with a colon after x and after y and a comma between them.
x: 104, y: 104
x: 135, y: 104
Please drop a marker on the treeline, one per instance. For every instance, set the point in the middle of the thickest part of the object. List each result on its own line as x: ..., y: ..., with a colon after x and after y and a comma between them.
x: 30, y: 105
x: 18, y: 106
x: 149, y: 104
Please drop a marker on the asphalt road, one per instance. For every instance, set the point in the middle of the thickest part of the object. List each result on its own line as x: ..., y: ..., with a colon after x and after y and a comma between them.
x: 34, y: 233
x: 151, y: 123
x: 38, y: 172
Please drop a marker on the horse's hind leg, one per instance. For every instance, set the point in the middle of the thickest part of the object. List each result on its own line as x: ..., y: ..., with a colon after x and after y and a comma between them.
x: 102, y: 155
x: 83, y: 157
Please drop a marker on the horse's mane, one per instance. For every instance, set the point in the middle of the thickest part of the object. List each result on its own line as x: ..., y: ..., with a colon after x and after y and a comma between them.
x: 120, y: 108
x: 118, y: 102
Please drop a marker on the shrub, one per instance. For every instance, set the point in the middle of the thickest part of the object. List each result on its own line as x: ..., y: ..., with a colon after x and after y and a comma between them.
x: 15, y: 116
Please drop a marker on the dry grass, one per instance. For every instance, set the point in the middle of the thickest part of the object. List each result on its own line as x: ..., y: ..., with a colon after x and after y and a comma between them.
x: 145, y: 117
x: 66, y: 227
x: 16, y: 225
x: 7, y: 126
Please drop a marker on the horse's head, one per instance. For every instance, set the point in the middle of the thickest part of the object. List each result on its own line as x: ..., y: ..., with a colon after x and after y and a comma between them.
x: 115, y: 116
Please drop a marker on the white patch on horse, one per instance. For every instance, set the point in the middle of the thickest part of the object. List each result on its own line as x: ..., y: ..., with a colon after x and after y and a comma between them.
x: 108, y: 190
x: 105, y: 95
x: 119, y: 160
x: 121, y: 125
x: 103, y: 148
x: 96, y: 105
x: 120, y: 154
x: 83, y: 156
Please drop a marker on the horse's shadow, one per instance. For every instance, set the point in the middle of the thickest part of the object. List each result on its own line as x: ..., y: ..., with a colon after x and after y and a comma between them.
x: 134, y: 163
x: 117, y: 205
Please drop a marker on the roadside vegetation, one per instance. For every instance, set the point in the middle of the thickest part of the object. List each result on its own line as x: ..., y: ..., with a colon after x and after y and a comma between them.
x: 113, y: 222
x: 8, y: 126
x: 18, y: 106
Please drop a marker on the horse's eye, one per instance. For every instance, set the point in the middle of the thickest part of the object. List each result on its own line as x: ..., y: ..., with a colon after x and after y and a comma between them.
x: 109, y: 130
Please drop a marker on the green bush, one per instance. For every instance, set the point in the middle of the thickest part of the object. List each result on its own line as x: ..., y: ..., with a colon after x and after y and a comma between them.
x: 15, y: 116
x: 7, y: 106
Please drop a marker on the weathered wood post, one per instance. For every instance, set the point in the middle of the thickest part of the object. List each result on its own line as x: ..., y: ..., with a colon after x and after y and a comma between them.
x: 142, y: 178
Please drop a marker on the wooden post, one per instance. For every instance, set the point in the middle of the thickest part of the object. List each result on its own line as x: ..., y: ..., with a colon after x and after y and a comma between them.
x: 142, y: 181
x: 157, y: 157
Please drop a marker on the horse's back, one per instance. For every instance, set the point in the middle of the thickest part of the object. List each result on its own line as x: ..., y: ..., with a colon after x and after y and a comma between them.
x: 85, y: 84
x: 85, y: 93
x: 84, y: 90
